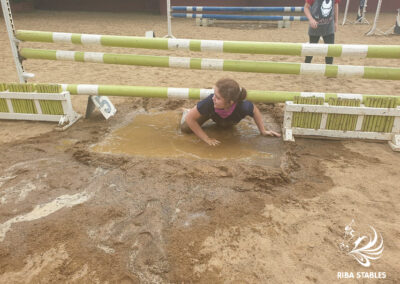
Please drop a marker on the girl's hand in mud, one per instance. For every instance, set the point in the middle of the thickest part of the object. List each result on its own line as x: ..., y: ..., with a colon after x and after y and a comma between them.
x: 212, y: 141
x: 271, y: 133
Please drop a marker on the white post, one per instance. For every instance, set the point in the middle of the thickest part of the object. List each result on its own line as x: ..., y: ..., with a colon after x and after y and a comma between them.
x: 169, y: 20
x: 287, y: 124
x: 345, y: 12
x: 374, y: 28
x: 22, y: 76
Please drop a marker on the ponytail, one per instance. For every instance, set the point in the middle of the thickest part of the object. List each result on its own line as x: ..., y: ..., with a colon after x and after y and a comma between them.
x: 242, y: 94
x: 230, y: 90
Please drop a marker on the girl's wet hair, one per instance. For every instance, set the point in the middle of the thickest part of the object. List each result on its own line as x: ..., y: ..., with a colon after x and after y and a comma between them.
x: 230, y: 90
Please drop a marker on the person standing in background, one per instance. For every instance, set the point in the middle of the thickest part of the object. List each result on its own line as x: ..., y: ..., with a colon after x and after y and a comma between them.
x: 323, y: 17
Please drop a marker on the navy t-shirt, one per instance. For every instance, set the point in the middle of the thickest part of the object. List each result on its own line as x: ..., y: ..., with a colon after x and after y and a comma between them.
x: 242, y: 109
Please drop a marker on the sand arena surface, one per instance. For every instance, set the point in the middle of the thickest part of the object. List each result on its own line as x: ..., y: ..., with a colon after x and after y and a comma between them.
x: 69, y: 214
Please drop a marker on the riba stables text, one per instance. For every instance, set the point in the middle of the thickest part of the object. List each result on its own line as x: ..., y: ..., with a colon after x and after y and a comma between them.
x: 361, y: 275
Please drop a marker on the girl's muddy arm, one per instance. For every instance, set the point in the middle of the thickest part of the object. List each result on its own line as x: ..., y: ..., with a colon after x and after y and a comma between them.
x: 191, y: 119
x: 260, y: 124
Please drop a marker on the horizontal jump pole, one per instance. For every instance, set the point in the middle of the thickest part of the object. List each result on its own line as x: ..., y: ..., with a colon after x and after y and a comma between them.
x: 239, y: 17
x: 366, y: 72
x: 249, y: 47
x: 235, y: 9
x: 197, y: 94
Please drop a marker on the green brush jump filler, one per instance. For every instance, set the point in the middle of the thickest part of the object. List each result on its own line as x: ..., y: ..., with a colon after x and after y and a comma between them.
x: 41, y: 102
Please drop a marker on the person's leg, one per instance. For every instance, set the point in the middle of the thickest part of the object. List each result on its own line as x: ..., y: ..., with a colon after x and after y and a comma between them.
x: 184, y: 127
x: 329, y: 39
x: 313, y: 39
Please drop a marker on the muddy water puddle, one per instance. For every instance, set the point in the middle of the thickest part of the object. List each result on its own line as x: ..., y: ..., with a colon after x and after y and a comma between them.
x: 157, y: 135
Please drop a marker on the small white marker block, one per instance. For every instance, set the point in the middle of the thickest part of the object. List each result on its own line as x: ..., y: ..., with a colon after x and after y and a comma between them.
x: 288, y: 135
x: 150, y: 34
x: 105, y: 106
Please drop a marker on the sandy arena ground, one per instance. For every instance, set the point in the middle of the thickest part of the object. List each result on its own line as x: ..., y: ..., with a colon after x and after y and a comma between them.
x: 69, y: 214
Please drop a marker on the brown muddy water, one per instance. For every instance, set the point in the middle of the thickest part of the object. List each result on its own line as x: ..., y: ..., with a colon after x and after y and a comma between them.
x: 157, y: 134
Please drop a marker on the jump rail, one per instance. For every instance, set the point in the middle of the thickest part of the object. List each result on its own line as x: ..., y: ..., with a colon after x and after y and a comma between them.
x: 239, y: 17
x: 235, y: 9
x: 366, y: 72
x: 196, y: 93
x: 273, y: 48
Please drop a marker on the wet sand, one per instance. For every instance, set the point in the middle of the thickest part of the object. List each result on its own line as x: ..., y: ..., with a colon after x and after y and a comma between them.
x: 72, y: 214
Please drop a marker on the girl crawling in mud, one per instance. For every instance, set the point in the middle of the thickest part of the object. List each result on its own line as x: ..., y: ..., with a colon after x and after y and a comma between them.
x: 226, y: 107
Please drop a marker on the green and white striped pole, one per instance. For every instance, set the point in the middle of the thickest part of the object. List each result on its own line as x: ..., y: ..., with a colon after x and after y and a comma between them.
x: 366, y: 72
x: 196, y: 94
x: 249, y: 47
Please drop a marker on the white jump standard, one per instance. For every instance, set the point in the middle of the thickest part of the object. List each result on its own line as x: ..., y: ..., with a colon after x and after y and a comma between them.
x: 69, y: 114
x: 393, y: 30
x: 22, y: 75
